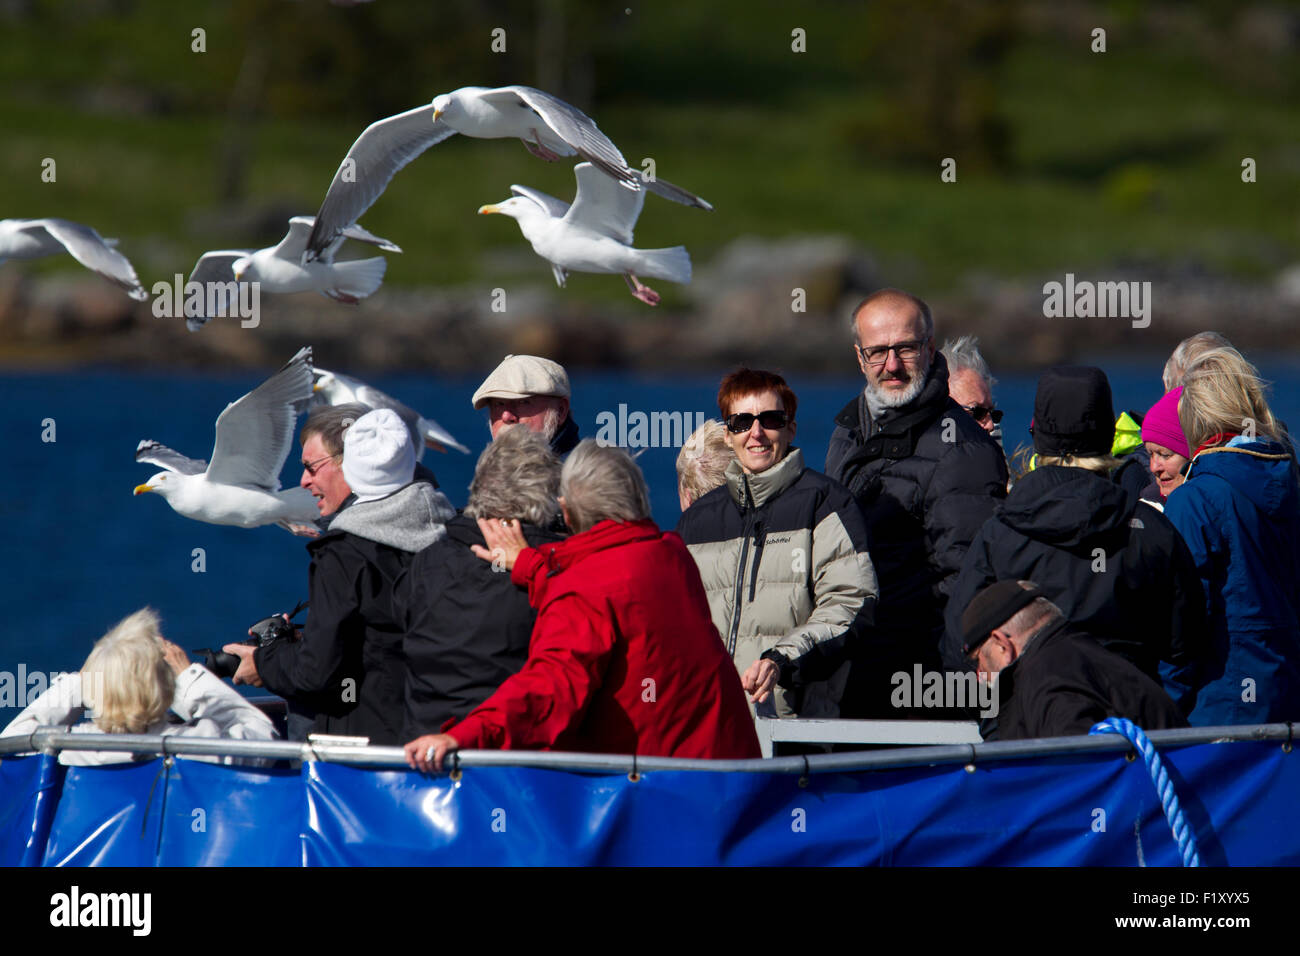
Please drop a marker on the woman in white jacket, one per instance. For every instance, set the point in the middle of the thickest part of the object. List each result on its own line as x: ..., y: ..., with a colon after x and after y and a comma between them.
x: 132, y: 677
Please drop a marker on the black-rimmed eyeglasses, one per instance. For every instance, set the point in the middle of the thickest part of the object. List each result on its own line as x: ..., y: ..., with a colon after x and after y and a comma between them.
x: 879, y: 354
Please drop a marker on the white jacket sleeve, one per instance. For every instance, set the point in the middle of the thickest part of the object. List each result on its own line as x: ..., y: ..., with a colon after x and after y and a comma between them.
x: 59, y: 706
x: 212, y: 709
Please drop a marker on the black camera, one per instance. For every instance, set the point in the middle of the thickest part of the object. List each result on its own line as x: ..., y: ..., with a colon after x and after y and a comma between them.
x: 266, y: 631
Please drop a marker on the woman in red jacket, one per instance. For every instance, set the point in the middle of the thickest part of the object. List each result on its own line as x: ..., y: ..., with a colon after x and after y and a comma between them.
x: 624, y: 657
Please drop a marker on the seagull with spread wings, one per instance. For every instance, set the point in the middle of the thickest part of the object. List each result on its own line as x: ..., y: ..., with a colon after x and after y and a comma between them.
x: 37, y: 238
x: 594, y: 234
x: 335, y: 388
x: 280, y: 269
x: 548, y: 126
x: 241, y: 485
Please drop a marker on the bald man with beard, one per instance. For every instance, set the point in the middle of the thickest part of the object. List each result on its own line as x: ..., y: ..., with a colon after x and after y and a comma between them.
x: 926, y: 476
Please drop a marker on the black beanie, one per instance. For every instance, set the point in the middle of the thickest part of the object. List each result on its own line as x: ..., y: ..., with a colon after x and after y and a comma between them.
x: 1073, y: 414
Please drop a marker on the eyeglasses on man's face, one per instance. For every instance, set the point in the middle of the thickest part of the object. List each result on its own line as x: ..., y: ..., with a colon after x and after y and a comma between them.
x: 877, y: 355
x: 772, y: 420
x: 311, y: 466
x: 983, y: 412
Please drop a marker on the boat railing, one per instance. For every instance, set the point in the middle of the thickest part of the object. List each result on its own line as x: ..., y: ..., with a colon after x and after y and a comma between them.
x: 54, y: 739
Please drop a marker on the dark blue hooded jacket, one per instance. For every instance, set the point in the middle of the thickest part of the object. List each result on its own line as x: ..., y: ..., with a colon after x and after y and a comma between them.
x: 1239, y: 512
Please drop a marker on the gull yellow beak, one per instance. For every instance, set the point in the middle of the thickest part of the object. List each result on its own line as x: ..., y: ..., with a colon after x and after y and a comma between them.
x: 141, y: 489
x: 315, y: 386
x: 436, y: 114
x: 487, y: 210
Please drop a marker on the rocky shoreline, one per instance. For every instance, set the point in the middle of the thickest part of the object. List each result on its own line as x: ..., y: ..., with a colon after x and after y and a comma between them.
x: 743, y: 306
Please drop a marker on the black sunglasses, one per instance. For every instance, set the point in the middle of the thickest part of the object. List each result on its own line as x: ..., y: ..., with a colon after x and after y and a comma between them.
x: 980, y: 412
x: 744, y: 421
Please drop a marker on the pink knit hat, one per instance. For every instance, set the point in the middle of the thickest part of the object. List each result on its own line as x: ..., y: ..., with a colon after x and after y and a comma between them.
x: 1161, y: 424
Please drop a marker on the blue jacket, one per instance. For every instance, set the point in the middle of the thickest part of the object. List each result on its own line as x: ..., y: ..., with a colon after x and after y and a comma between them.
x: 1239, y: 512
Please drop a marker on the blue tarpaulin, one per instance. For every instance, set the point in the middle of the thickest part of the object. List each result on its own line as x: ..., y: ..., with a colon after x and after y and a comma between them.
x: 1094, y: 808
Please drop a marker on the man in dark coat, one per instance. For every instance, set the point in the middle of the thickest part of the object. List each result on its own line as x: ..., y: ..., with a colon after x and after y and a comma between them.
x: 926, y: 477
x: 1051, y: 680
x: 467, y: 624
x: 348, y: 667
x: 1116, y: 566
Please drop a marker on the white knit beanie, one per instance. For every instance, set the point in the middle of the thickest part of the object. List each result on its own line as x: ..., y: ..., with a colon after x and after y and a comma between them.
x: 378, y: 457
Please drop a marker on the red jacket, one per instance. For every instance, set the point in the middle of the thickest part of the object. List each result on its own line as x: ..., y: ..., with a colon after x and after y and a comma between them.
x: 624, y: 657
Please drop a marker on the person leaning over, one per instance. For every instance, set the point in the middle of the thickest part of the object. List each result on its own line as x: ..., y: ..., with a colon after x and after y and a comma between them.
x: 131, y: 679
x: 1051, y: 680
x: 1112, y: 563
x: 467, y: 625
x: 782, y: 552
x: 624, y: 658
x: 348, y: 665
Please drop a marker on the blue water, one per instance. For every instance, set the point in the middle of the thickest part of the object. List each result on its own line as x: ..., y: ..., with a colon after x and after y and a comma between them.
x: 80, y: 551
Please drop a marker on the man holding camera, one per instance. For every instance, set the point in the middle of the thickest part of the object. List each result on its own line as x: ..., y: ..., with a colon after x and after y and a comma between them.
x: 348, y: 668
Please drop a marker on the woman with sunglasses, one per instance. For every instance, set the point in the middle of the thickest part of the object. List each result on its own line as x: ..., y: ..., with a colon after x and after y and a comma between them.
x: 782, y: 552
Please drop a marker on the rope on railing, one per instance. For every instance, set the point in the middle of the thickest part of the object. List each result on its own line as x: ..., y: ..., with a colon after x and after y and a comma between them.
x: 1183, y: 834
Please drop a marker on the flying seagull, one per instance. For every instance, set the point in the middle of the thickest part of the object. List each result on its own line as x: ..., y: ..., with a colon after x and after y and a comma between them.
x: 334, y: 388
x: 280, y: 269
x: 241, y: 485
x: 594, y: 234
x: 36, y: 238
x: 549, y: 127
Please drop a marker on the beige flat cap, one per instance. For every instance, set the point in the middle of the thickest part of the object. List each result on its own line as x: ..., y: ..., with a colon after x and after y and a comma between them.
x: 519, y: 376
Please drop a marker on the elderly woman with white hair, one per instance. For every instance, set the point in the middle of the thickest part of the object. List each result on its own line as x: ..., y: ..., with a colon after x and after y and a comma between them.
x: 624, y: 657
x: 131, y: 679
x: 702, y: 462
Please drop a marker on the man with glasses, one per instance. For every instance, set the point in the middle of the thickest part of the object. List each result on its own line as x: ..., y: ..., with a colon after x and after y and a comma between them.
x: 782, y: 553
x: 347, y: 672
x: 926, y: 476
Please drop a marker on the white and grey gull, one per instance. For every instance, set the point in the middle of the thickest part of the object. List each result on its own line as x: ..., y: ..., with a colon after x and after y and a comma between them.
x: 548, y: 126
x: 241, y: 485
x: 37, y: 238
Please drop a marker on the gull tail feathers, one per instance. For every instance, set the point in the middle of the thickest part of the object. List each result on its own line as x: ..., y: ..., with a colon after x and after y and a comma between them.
x: 361, y: 277
x: 672, y: 264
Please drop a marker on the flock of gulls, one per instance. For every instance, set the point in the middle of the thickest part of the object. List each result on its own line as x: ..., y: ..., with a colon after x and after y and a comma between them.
x: 591, y: 234
x: 254, y: 435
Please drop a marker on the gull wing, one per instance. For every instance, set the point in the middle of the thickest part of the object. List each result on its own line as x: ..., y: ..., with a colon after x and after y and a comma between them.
x: 435, y: 436
x: 604, y: 206
x: 580, y: 131
x: 423, y: 430
x: 354, y: 231
x: 255, y: 433
x: 155, y: 454
x: 215, y: 272
x: 574, y: 127
x: 382, y: 149
x: 294, y: 243
x: 90, y: 249
x: 555, y: 208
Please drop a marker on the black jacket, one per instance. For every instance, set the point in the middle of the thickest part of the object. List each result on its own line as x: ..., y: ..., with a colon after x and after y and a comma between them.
x: 1065, y: 682
x: 348, y: 668
x: 1116, y: 567
x: 467, y: 627
x: 926, y: 476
